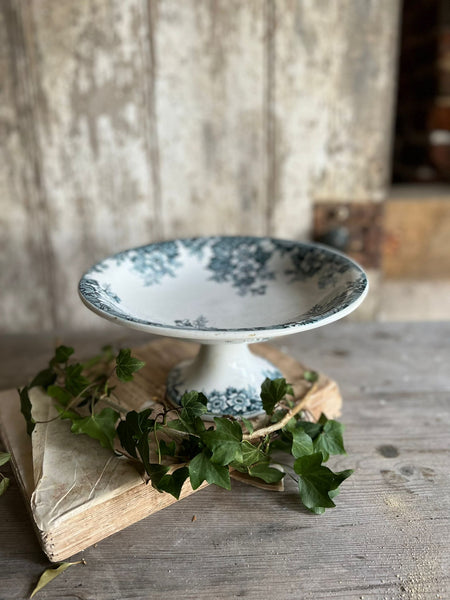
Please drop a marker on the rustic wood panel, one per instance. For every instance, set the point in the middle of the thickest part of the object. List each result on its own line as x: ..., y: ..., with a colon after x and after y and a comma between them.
x: 94, y: 123
x: 131, y: 122
x: 25, y: 249
x: 210, y: 107
x: 387, y: 538
x: 332, y: 105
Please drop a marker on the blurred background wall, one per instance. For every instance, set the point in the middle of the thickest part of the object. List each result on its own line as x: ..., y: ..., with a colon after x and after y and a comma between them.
x: 127, y: 122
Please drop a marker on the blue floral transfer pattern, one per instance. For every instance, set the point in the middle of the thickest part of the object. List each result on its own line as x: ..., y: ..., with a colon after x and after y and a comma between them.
x: 234, y: 402
x: 247, y: 264
x: 231, y: 401
x: 200, y: 322
x: 243, y: 262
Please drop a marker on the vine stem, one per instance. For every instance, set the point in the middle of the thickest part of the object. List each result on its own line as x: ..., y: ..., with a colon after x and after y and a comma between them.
x: 282, y: 422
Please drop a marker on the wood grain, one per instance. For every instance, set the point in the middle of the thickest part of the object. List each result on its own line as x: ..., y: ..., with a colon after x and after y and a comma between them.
x: 125, y: 123
x: 387, y: 538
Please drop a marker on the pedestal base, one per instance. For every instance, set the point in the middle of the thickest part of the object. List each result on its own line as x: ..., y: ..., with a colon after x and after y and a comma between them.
x: 229, y: 375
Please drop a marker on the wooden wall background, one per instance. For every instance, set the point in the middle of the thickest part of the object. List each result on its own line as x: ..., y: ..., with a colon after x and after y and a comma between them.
x: 124, y: 122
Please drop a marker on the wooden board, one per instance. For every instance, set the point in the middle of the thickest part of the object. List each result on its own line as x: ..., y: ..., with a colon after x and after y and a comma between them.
x: 76, y: 526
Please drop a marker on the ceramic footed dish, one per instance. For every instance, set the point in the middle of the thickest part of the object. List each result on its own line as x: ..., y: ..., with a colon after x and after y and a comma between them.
x: 225, y: 293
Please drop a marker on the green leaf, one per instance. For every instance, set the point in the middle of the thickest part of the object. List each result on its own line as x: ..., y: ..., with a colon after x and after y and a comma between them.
x: 282, y: 443
x: 266, y: 473
x: 194, y: 405
x: 329, y: 440
x: 4, y: 458
x: 76, y: 383
x: 25, y: 409
x: 4, y: 485
x: 126, y: 365
x: 272, y: 391
x: 250, y: 454
x: 312, y: 429
x: 60, y: 394
x: 156, y: 472
x: 167, y: 449
x: 100, y: 426
x: 49, y: 575
x: 278, y: 415
x: 302, y: 444
x: 172, y: 483
x: 133, y: 435
x: 201, y: 468
x: 224, y: 441
x: 248, y: 424
x: 62, y: 354
x: 43, y: 379
x: 311, y: 376
x: 316, y: 481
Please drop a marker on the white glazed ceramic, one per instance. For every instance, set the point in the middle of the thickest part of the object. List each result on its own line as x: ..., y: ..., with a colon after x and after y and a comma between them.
x: 224, y: 292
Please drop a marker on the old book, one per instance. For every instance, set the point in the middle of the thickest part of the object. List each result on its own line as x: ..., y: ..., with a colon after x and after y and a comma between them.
x: 77, y: 492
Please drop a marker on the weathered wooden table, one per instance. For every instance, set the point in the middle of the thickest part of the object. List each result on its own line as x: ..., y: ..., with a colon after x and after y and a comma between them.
x: 389, y: 536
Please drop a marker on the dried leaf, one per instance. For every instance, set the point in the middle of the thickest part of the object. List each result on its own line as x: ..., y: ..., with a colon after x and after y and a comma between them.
x: 4, y: 458
x: 4, y: 484
x: 49, y: 575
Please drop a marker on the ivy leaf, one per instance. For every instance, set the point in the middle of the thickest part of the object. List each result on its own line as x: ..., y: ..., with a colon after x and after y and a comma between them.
x: 49, y: 575
x: 172, y: 483
x: 312, y: 429
x: 248, y: 425
x: 329, y: 440
x: 302, y: 444
x: 316, y: 481
x: 100, y: 426
x: 126, y: 365
x: 319, y: 510
x: 43, y: 379
x: 60, y: 394
x: 62, y: 354
x: 25, y: 409
x: 133, y: 435
x: 168, y: 449
x: 194, y: 405
x: 266, y: 473
x: 250, y: 454
x: 76, y: 382
x: 156, y: 472
x: 282, y: 443
x: 224, y: 441
x: 4, y: 485
x: 272, y: 391
x: 311, y: 376
x: 4, y: 458
x: 201, y: 468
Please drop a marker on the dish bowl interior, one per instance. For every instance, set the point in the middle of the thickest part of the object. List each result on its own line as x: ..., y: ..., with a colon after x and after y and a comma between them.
x: 224, y: 284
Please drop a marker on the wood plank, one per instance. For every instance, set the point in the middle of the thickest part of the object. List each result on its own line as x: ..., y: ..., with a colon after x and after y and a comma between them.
x: 332, y: 107
x: 90, y: 131
x: 210, y: 107
x: 388, y: 537
x: 25, y: 252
